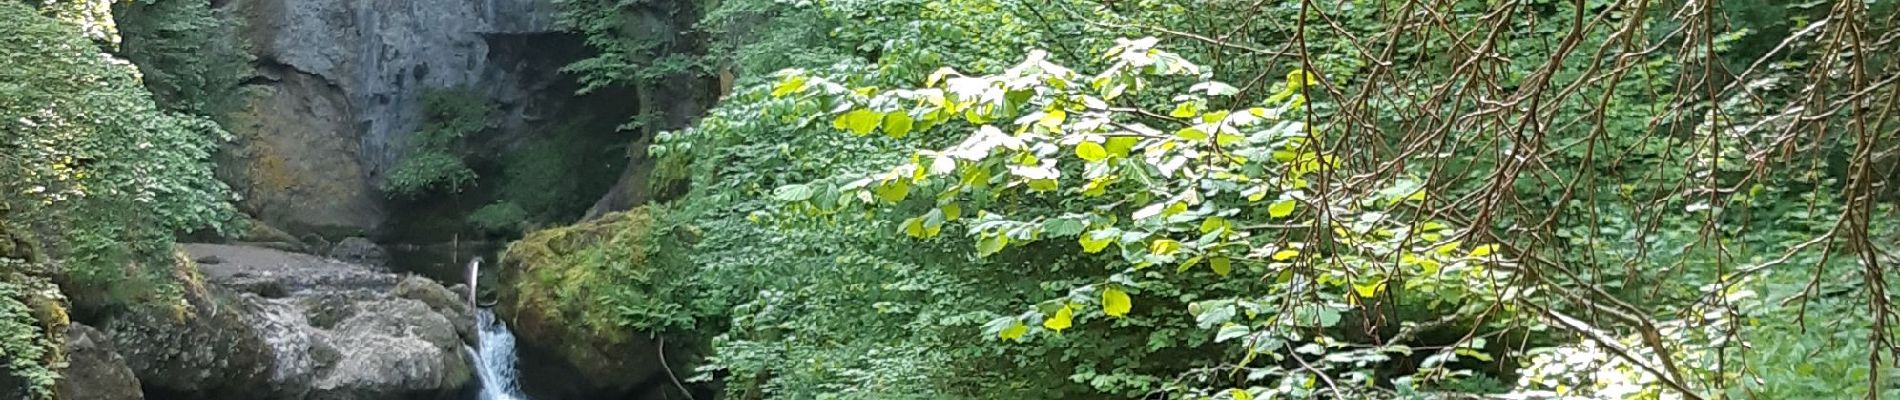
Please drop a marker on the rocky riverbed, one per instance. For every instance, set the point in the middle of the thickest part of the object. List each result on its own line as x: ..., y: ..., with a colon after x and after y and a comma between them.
x: 260, y: 323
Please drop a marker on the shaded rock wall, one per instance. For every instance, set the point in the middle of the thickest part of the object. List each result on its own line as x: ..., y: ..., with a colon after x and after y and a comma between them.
x: 338, y: 92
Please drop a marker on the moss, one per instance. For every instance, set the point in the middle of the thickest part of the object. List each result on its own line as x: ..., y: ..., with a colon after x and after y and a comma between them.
x: 597, y: 293
x: 559, y: 271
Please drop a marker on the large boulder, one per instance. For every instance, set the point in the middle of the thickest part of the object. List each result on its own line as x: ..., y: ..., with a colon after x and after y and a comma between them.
x: 571, y: 343
x: 295, y: 326
x: 94, y: 369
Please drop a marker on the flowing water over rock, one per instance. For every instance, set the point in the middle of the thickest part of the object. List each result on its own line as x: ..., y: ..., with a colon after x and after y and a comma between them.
x: 494, y: 355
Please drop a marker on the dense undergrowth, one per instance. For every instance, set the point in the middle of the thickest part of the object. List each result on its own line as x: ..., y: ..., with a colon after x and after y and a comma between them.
x: 1291, y: 199
x: 98, y: 181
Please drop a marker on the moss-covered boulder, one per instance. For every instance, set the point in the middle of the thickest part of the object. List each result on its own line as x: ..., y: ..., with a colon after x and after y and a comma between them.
x: 592, y: 304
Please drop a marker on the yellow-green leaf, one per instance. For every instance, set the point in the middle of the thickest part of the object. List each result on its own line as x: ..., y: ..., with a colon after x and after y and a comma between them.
x: 1115, y: 302
x: 1238, y: 394
x: 1484, y: 250
x: 1285, y: 254
x: 952, y: 211
x: 1090, y: 151
x: 1090, y: 244
x: 1063, y: 319
x: 897, y: 124
x: 790, y: 85
x: 1014, y: 331
x: 1281, y: 209
x: 1185, y: 110
x: 991, y: 244
x: 1221, y: 265
x: 1119, y: 146
x: 1368, y: 289
x: 1191, y: 133
x: 1052, y: 120
x: 893, y: 191
x: 860, y: 121
x: 1164, y: 246
x: 1211, y: 224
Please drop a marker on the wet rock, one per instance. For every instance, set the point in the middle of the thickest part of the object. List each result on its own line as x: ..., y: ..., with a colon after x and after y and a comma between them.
x: 294, y: 326
x: 361, y: 251
x: 167, y: 348
x: 441, y: 300
x: 94, y: 369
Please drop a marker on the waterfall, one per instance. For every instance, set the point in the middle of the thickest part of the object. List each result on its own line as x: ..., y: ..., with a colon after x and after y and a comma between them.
x: 495, y: 358
x: 494, y: 351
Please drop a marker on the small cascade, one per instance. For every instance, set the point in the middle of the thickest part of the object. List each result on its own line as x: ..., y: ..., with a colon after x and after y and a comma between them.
x: 494, y: 351
x: 495, y: 358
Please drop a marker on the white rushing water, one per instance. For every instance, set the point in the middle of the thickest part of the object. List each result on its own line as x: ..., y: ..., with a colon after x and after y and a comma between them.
x: 494, y: 350
x: 494, y: 355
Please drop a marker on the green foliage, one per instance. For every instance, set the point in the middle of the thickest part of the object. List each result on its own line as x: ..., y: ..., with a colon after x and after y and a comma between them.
x: 500, y: 217
x: 32, y: 322
x: 87, y: 154
x: 192, y: 57
x: 605, y: 277
x: 435, y: 163
x: 1429, y: 201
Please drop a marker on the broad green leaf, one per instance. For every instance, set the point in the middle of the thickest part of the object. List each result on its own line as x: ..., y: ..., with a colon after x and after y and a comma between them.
x: 1053, y: 119
x: 1211, y: 224
x: 1281, y: 209
x: 1062, y: 319
x: 897, y: 124
x: 951, y: 212
x: 1185, y: 110
x: 1059, y: 227
x: 1221, y: 265
x: 990, y: 244
x: 1090, y: 151
x: 921, y: 228
x: 1092, y: 244
x: 1119, y: 146
x: 1014, y: 331
x: 1115, y: 302
x: 1368, y: 289
x: 893, y: 191
x: 1191, y: 133
x: 790, y: 85
x: 1231, y: 331
x: 792, y: 193
x: 1484, y: 250
x: 1164, y: 246
x: 860, y: 121
x: 1174, y: 208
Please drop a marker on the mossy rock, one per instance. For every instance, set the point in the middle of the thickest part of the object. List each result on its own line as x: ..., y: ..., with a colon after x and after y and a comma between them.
x: 589, y: 302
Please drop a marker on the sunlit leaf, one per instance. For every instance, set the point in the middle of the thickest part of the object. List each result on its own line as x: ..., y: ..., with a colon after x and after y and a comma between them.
x: 1115, y: 302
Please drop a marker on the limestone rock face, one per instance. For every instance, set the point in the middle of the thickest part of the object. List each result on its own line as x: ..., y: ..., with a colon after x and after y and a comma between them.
x: 94, y: 369
x: 293, y: 327
x: 338, y: 92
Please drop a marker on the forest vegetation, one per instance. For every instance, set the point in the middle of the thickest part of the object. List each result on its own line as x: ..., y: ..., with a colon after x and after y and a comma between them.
x: 1087, y: 199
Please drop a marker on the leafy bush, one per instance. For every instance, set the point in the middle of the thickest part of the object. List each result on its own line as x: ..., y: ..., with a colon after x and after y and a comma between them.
x: 435, y: 160
x: 500, y: 217
x: 192, y: 57
x: 86, y: 153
